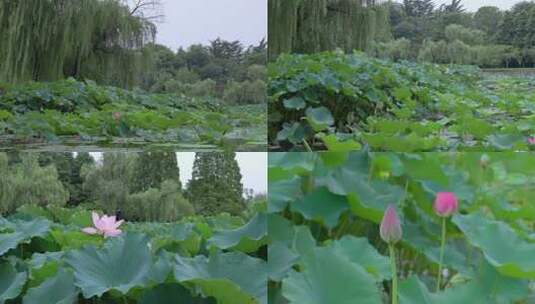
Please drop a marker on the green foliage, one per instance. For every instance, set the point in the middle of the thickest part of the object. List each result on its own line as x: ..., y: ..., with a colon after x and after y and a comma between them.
x: 246, y: 92
x: 109, y: 183
x: 316, y: 251
x: 152, y: 168
x: 165, y: 204
x: 148, y: 262
x: 215, y: 185
x: 91, y: 39
x: 340, y: 102
x: 69, y: 110
x: 69, y: 172
x: 27, y: 182
x: 491, y: 38
x: 298, y: 26
x: 214, y: 70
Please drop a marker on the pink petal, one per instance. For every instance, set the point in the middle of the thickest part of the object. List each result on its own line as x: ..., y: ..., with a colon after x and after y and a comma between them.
x: 390, y: 229
x: 90, y: 230
x: 114, y: 232
x: 96, y: 219
x: 118, y: 224
x: 445, y: 204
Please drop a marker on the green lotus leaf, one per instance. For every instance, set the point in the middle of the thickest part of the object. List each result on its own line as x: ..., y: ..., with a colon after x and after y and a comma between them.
x: 319, y: 118
x: 172, y: 293
x: 40, y: 259
x: 456, y: 253
x: 247, y: 238
x: 11, y: 282
x: 280, y: 261
x: 486, y: 287
x: 336, y: 145
x: 367, y: 257
x: 231, y: 278
x: 368, y: 198
x: 329, y: 277
x: 282, y: 192
x: 296, y: 103
x: 123, y: 263
x: 59, y: 289
x: 74, y: 239
x: 176, y: 237
x: 21, y: 231
x: 280, y: 229
x: 297, y: 163
x: 321, y: 205
x: 502, y: 247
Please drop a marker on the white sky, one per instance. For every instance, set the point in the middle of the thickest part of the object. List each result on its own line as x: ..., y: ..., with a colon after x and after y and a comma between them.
x: 189, y: 22
x: 474, y: 5
x: 253, y: 168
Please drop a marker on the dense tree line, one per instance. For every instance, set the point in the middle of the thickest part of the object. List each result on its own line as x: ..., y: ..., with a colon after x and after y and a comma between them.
x: 222, y: 69
x: 408, y: 29
x: 448, y: 33
x: 140, y: 187
x: 113, y: 43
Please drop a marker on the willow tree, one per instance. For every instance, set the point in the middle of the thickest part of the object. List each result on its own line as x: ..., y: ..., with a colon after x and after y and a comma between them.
x: 51, y: 39
x: 308, y: 26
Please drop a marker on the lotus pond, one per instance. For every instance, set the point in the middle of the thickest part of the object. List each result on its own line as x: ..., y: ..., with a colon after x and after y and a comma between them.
x: 459, y: 228
x: 71, y: 113
x: 46, y: 257
x: 338, y: 102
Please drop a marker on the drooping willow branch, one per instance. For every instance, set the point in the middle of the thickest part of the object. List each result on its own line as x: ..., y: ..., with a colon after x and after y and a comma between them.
x: 51, y: 39
x: 308, y: 26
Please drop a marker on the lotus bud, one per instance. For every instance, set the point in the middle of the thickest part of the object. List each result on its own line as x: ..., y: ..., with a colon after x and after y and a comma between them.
x: 390, y: 229
x: 531, y: 140
x: 445, y: 204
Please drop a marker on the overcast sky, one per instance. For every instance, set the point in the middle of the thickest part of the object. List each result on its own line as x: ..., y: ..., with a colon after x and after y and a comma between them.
x: 474, y: 5
x: 189, y: 22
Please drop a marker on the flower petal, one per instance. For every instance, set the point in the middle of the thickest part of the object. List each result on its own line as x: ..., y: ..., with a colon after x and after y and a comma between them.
x: 118, y: 224
x: 114, y: 232
x: 390, y: 229
x: 90, y: 230
x: 96, y: 219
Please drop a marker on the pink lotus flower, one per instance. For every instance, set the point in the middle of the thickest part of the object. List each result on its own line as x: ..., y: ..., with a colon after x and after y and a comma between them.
x: 390, y: 229
x: 105, y: 225
x: 531, y: 140
x: 445, y: 204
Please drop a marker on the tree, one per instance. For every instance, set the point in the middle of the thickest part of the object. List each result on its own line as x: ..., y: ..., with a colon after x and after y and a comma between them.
x: 26, y: 182
x: 93, y: 39
x: 69, y: 170
x: 152, y: 168
x: 518, y: 24
x: 196, y: 57
x: 321, y: 25
x: 148, y: 9
x: 109, y: 182
x: 166, y: 204
x: 454, y: 7
x: 215, y: 185
x: 488, y: 20
x: 418, y: 8
x: 469, y: 36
